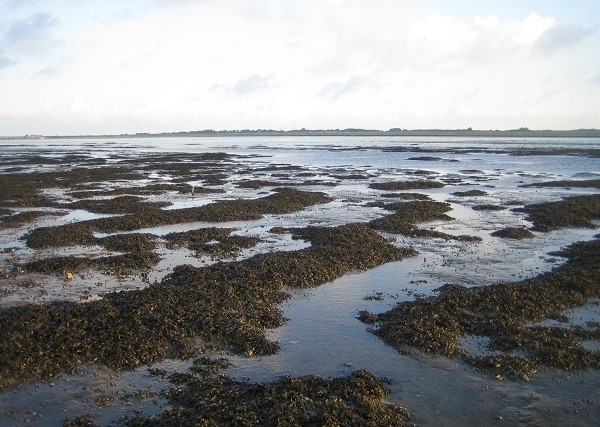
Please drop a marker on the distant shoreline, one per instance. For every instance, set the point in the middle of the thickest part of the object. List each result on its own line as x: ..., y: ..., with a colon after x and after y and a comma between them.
x: 516, y: 133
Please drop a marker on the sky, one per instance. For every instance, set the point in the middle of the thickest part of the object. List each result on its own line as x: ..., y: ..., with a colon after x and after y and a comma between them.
x: 71, y: 67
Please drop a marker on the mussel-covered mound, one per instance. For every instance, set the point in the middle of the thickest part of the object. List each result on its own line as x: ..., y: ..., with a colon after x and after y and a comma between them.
x: 138, y: 256
x: 211, y: 241
x: 22, y: 218
x: 24, y: 189
x: 576, y: 211
x: 117, y: 205
x: 145, y: 190
x: 505, y: 313
x: 407, y: 214
x: 488, y: 207
x: 406, y: 196
x: 470, y: 193
x: 580, y: 183
x: 284, y: 200
x: 81, y: 421
x: 196, y: 238
x: 514, y: 233
x: 84, y: 177
x: 227, y: 303
x: 112, y: 264
x: 356, y: 400
x: 417, y: 184
x: 257, y: 183
x: 130, y: 242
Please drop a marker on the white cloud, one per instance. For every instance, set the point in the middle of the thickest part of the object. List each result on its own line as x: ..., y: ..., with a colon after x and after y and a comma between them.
x: 253, y: 83
x: 207, y: 64
x: 31, y: 35
x: 4, y: 61
x: 27, y: 33
x: 336, y: 89
x: 562, y: 36
x: 485, y: 39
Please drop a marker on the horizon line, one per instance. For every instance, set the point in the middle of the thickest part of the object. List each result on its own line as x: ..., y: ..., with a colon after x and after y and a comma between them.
x: 523, y: 131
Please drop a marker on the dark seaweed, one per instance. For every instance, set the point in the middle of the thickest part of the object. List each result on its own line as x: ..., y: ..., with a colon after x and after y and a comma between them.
x: 488, y: 207
x: 117, y: 205
x: 228, y: 303
x: 504, y: 312
x: 577, y: 211
x: 406, y: 185
x: 584, y: 183
x: 284, y: 200
x: 470, y: 193
x: 513, y: 233
x: 355, y: 400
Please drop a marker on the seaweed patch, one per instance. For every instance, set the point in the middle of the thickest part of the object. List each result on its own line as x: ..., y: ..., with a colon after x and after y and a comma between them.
x: 505, y: 313
x: 514, y: 233
x: 231, y: 304
x: 576, y: 211
x: 284, y: 200
x: 406, y: 185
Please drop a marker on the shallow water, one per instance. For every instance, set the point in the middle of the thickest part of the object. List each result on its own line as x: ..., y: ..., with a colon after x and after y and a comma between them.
x: 322, y: 335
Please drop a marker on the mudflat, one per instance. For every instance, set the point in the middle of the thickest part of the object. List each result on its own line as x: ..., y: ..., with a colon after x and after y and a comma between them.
x: 171, y: 276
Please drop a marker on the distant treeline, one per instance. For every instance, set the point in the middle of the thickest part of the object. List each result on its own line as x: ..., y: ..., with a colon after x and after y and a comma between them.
x: 521, y: 132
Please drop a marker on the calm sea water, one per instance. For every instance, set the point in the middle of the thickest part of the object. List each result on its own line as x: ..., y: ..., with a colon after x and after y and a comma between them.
x: 373, y: 152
